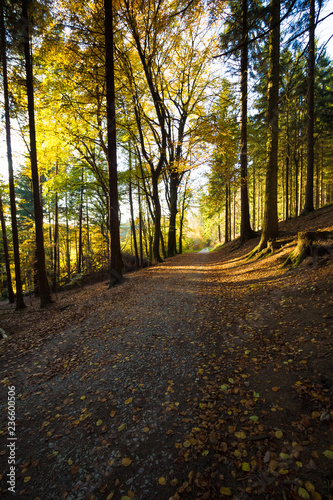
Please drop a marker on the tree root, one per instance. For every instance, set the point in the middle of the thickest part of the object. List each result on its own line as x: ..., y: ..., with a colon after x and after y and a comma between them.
x: 305, y: 247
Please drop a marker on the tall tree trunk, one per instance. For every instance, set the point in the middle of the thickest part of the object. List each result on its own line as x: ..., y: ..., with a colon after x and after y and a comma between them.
x: 80, y: 244
x: 245, y: 229
x: 270, y: 220
x: 44, y: 288
x: 19, y: 291
x: 227, y: 205
x: 116, y: 264
x: 157, y: 221
x: 68, y: 251
x: 55, y: 240
x: 287, y: 169
x: 132, y: 211
x: 140, y: 228
x: 173, y: 185
x: 308, y: 206
x: 5, y: 250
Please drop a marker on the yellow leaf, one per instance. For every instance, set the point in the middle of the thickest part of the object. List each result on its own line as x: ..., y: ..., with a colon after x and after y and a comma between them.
x: 126, y: 461
x: 187, y: 444
x: 110, y: 496
x: 225, y: 491
x: 246, y: 466
x: 121, y: 427
x: 70, y: 462
x: 240, y: 435
x: 162, y: 480
x: 302, y: 493
x: 275, y: 389
x: 328, y: 454
x: 278, y: 434
x: 99, y: 422
x: 112, y: 414
x: 146, y: 429
x: 83, y: 398
x: 26, y: 479
x: 309, y: 486
x: 174, y: 482
x: 110, y: 462
x: 129, y: 400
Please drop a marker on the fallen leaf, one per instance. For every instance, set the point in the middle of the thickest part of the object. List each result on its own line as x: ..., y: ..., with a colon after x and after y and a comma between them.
x: 328, y: 454
x: 162, y: 481
x: 246, y: 466
x: 225, y: 491
x: 302, y: 493
x: 278, y: 434
x: 126, y: 461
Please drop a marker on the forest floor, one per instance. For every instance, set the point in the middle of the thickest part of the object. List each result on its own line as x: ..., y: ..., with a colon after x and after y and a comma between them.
x: 205, y: 377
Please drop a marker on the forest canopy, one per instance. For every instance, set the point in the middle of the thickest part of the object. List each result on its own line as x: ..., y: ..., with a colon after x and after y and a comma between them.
x: 152, y: 128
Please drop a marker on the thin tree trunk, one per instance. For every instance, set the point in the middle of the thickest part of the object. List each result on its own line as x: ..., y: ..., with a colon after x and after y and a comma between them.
x: 68, y: 254
x: 19, y: 291
x: 80, y: 250
x: 245, y: 229
x: 44, y: 288
x: 5, y: 250
x: 140, y: 228
x: 308, y: 206
x: 116, y: 264
x: 226, y: 212
x: 55, y: 241
x: 132, y: 212
x: 287, y: 169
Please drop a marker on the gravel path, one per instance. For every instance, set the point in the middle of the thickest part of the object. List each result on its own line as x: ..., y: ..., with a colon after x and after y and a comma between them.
x: 113, y: 386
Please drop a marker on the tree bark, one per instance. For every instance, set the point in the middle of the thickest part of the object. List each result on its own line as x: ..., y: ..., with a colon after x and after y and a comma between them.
x: 5, y: 250
x: 55, y: 239
x: 44, y: 288
x: 308, y: 206
x: 173, y: 186
x: 132, y: 212
x: 19, y: 291
x: 270, y: 220
x: 116, y: 262
x: 245, y: 229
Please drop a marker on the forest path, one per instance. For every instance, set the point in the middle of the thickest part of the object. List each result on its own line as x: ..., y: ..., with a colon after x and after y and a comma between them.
x: 172, y: 385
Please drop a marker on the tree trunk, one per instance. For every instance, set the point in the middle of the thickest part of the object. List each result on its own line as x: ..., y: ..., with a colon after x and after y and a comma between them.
x: 157, y: 221
x: 245, y: 229
x: 132, y: 212
x: 5, y: 250
x: 44, y: 289
x: 308, y: 206
x: 140, y: 228
x: 68, y: 251
x: 174, y: 185
x: 80, y: 249
x: 270, y: 220
x: 55, y: 240
x: 287, y: 170
x: 116, y: 264
x: 227, y: 205
x: 19, y: 291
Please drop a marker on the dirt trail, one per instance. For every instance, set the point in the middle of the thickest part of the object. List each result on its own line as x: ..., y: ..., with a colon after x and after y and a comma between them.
x: 187, y: 381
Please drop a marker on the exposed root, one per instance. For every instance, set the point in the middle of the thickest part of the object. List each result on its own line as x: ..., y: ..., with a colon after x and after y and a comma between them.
x: 305, y: 247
